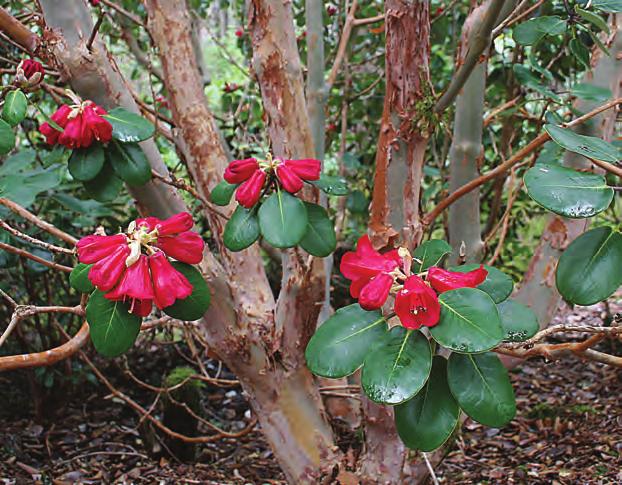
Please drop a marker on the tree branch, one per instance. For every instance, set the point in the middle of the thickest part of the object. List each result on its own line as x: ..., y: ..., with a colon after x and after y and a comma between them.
x: 480, y: 41
x: 17, y: 31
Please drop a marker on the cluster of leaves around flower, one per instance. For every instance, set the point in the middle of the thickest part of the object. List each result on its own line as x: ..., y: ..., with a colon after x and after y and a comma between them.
x: 588, y: 270
x: 126, y: 273
x: 268, y: 207
x: 104, y: 145
x: 403, y: 365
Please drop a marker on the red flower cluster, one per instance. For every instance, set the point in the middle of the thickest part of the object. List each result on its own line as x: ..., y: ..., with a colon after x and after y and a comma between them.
x: 252, y: 175
x: 122, y: 270
x: 331, y: 10
x: 82, y: 123
x: 375, y: 276
x: 29, y: 73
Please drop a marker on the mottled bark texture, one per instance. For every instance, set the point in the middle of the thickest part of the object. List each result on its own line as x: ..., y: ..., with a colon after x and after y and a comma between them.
x: 94, y: 75
x: 403, y: 139
x: 261, y: 340
x: 537, y: 289
x: 466, y: 149
x: 405, y: 125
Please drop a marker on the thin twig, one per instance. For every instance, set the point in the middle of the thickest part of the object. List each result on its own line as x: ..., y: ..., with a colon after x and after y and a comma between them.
x: 96, y: 27
x: 34, y: 241
x: 40, y: 223
x: 25, y: 254
x: 505, y: 166
x: 23, y: 311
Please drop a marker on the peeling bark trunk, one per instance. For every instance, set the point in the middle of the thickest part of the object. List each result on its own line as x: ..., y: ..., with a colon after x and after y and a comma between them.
x: 404, y: 134
x: 404, y: 130
x: 537, y: 289
x: 264, y: 347
x: 94, y: 76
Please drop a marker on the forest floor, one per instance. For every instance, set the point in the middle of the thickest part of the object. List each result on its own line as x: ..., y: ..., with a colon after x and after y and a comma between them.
x: 567, y: 430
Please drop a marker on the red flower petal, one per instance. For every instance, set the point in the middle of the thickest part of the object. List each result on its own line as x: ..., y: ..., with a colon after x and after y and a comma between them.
x: 288, y: 178
x: 186, y: 247
x: 94, y: 248
x: 307, y: 169
x: 417, y: 304
x: 142, y: 308
x: 443, y: 280
x: 175, y: 224
x: 60, y: 118
x: 106, y: 272
x: 240, y: 170
x: 375, y: 293
x: 135, y: 283
x: 31, y: 67
x: 98, y: 127
x: 366, y: 262
x: 168, y: 283
x: 149, y: 222
x: 249, y: 192
x: 72, y: 135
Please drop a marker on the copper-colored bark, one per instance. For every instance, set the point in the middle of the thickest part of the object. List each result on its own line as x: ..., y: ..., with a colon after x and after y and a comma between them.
x: 404, y: 128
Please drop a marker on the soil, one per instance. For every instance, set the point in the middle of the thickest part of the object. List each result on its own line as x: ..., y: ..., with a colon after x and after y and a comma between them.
x: 567, y: 429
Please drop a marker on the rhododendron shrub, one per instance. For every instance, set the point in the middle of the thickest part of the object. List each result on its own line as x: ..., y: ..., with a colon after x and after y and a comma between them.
x: 129, y: 273
x: 409, y: 313
x: 266, y: 191
x: 104, y: 145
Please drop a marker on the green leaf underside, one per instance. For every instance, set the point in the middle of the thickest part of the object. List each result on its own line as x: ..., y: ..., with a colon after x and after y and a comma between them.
x: 222, y: 193
x: 588, y: 146
x: 519, y: 322
x: 427, y: 420
x: 398, y: 367
x: 242, y: 229
x: 15, y: 106
x: 469, y: 321
x: 534, y: 30
x: 129, y: 162
x: 129, y: 127
x: 320, y: 238
x: 341, y: 344
x: 589, y: 269
x: 7, y: 138
x: 482, y: 387
x: 195, y: 306
x: 497, y: 284
x: 430, y: 253
x: 86, y: 163
x: 589, y: 92
x: 283, y: 220
x: 567, y: 192
x: 79, y: 278
x: 113, y: 329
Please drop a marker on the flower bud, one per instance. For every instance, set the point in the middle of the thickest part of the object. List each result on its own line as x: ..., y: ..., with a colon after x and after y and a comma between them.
x: 168, y: 283
x: 249, y: 192
x: 29, y: 74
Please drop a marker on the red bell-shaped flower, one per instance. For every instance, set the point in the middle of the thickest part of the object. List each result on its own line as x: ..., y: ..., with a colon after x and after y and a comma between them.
x: 288, y: 178
x: 168, y: 283
x: 93, y: 248
x: 249, y: 192
x: 135, y: 284
x: 366, y: 262
x: 96, y: 126
x: 417, y: 304
x: 443, y: 280
x: 240, y: 170
x: 106, y: 272
x: 373, y: 295
x: 176, y: 224
x: 60, y: 118
x: 307, y: 168
x: 72, y: 135
x: 186, y: 247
